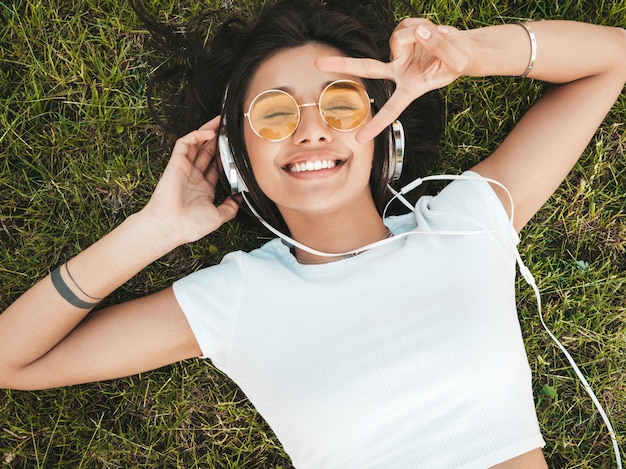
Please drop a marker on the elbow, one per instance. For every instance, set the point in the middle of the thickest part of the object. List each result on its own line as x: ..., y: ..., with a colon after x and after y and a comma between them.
x: 622, y: 60
x: 9, y: 379
x: 615, y: 72
x: 16, y: 380
x: 620, y: 51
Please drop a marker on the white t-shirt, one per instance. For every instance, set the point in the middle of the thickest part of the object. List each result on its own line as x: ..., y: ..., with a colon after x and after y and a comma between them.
x: 409, y: 355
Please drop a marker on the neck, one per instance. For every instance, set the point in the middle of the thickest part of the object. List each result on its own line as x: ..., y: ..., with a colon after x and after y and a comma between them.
x: 335, y: 233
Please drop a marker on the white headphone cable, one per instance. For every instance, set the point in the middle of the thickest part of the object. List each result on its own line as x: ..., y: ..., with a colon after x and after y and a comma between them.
x: 531, y: 281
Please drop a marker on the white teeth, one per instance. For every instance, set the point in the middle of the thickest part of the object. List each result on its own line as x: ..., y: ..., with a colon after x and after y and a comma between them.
x: 312, y: 166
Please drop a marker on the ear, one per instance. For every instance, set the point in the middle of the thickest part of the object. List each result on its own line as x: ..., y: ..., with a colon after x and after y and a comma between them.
x: 396, y: 150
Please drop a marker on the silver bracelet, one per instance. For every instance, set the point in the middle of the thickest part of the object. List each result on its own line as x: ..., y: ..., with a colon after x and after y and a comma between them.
x: 533, y: 48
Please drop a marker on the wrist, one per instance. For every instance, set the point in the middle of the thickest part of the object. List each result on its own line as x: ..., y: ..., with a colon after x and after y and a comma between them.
x: 502, y: 50
x: 158, y: 234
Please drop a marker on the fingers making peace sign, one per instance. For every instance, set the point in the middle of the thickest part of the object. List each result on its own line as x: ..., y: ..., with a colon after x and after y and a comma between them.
x: 424, y: 57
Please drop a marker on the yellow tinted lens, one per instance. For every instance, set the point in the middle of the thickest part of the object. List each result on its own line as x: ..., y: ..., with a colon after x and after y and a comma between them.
x: 274, y: 115
x: 344, y: 105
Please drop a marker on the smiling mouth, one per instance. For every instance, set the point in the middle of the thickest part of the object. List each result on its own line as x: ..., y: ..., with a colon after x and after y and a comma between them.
x: 316, y: 165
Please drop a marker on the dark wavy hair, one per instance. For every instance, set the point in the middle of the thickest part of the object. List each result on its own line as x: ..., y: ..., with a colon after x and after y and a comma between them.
x: 192, y: 87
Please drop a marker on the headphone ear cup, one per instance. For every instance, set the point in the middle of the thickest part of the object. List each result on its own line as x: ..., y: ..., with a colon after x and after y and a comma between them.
x: 396, y: 150
x: 228, y: 163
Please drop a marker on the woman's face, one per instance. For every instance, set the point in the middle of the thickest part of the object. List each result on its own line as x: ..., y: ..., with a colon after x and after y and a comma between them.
x: 317, y: 169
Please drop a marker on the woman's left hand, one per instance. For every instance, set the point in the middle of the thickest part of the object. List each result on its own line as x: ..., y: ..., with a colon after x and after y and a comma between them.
x: 424, y: 57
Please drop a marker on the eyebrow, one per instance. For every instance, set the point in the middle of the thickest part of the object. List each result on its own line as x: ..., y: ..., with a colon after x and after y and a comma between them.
x: 291, y: 91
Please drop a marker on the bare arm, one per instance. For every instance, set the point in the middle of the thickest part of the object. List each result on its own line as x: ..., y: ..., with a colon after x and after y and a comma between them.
x: 587, y: 65
x: 585, y: 62
x: 47, y: 342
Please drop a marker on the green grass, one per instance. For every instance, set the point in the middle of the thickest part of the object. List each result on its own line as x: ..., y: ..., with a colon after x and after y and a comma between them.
x: 79, y: 153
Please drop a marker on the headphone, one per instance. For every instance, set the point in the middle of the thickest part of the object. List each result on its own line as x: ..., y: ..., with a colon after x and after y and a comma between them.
x: 395, y: 158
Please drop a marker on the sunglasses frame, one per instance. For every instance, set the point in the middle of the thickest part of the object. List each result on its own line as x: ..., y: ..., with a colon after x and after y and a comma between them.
x: 298, y: 106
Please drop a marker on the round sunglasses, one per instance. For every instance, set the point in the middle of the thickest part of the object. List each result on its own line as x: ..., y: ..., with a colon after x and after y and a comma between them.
x: 274, y: 115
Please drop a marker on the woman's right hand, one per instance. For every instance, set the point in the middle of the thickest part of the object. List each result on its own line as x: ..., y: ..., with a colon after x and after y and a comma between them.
x: 183, y: 200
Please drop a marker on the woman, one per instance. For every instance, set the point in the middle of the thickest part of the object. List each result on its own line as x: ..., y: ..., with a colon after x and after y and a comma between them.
x: 406, y: 355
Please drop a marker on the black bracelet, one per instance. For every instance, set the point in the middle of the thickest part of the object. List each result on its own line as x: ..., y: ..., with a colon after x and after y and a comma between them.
x: 67, y: 294
x: 67, y: 269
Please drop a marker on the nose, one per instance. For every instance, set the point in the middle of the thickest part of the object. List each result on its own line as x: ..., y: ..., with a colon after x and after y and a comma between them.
x: 312, y: 127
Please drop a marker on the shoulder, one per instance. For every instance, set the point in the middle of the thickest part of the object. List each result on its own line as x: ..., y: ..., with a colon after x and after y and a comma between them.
x: 234, y: 268
x: 467, y: 203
